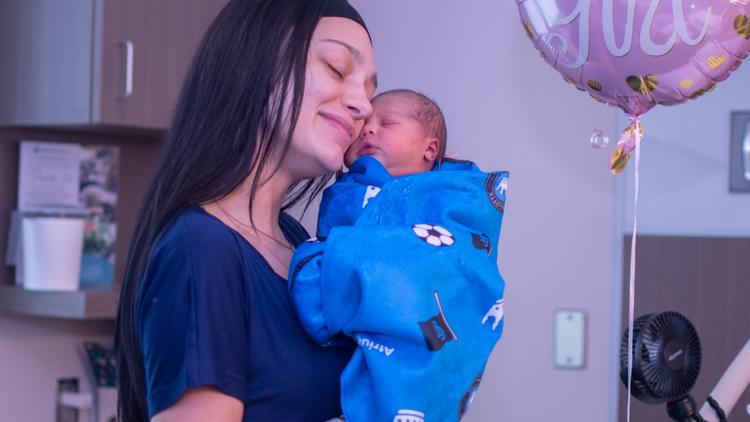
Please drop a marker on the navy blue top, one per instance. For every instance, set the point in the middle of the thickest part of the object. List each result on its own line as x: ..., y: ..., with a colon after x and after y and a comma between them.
x: 211, y: 312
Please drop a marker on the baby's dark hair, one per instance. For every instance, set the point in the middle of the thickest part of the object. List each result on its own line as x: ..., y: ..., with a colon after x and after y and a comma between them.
x: 427, y: 113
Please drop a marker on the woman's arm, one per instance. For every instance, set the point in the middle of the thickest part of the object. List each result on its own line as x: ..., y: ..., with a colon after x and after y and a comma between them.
x: 202, y: 404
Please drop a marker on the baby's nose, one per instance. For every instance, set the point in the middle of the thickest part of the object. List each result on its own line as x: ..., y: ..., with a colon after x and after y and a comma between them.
x: 368, y: 130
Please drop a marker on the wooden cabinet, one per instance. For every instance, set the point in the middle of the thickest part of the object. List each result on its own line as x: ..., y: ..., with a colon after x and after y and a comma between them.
x: 96, y: 62
x: 161, y: 38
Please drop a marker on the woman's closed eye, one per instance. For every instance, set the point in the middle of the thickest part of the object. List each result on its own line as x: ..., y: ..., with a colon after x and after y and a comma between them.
x: 339, y: 74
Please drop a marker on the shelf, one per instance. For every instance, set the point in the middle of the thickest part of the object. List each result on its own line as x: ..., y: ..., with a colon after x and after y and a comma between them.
x: 80, y: 305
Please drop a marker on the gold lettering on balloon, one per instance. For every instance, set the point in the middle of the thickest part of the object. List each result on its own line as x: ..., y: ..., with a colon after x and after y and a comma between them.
x: 715, y: 61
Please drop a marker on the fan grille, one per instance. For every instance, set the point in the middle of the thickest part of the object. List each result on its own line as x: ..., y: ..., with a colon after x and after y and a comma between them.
x: 666, y: 357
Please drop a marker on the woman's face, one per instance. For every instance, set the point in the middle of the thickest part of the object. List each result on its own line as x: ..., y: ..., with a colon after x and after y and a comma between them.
x: 339, y: 82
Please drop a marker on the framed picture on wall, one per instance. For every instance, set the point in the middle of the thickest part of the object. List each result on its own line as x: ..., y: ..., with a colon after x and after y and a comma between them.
x: 739, y: 152
x: 57, y: 177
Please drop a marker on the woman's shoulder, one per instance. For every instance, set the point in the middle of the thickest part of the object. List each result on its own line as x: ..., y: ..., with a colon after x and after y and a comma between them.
x: 196, y: 232
x: 193, y: 246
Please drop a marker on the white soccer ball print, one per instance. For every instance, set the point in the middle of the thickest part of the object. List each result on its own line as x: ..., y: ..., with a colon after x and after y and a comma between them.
x: 434, y: 235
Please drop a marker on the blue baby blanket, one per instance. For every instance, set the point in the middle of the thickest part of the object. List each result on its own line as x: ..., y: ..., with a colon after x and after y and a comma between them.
x: 409, y: 271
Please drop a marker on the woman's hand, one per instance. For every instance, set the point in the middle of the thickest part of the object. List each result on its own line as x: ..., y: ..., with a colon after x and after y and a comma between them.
x: 203, y: 404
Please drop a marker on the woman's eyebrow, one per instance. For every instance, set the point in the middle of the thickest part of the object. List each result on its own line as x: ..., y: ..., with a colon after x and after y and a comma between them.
x: 353, y: 51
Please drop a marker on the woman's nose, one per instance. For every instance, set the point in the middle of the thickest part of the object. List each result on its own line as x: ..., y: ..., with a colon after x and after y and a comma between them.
x: 358, y: 104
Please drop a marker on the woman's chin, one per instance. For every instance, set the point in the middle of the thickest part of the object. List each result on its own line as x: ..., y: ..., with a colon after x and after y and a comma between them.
x: 335, y: 164
x: 330, y: 162
x: 314, y: 162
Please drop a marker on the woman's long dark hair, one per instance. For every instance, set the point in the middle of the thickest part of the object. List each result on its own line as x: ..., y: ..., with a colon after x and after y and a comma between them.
x: 228, y: 122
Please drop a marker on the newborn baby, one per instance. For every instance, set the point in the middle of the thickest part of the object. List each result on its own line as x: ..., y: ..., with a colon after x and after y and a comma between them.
x: 405, y: 134
x: 405, y: 264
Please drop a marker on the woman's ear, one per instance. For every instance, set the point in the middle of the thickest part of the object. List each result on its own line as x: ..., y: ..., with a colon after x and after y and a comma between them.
x: 432, y: 149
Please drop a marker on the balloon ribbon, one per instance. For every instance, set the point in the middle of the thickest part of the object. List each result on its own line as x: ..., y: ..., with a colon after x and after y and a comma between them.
x: 629, y: 142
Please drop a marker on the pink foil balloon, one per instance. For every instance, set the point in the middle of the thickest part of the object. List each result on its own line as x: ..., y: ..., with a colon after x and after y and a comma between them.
x: 635, y: 54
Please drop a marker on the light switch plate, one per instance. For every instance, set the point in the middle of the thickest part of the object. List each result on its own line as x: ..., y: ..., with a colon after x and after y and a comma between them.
x: 739, y: 152
x: 570, y: 339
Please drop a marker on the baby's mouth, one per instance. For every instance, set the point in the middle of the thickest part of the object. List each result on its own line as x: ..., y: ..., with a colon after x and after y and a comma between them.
x: 367, y: 149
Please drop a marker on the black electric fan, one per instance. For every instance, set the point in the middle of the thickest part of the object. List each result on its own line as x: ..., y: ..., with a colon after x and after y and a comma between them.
x: 666, y: 363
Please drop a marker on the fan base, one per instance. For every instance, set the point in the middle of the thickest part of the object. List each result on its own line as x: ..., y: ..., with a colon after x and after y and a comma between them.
x: 684, y: 410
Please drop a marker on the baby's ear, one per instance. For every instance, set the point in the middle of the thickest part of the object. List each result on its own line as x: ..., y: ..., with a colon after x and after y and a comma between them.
x: 432, y: 149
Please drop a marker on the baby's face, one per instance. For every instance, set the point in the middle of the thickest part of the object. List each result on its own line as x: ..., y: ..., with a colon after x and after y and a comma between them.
x: 393, y: 137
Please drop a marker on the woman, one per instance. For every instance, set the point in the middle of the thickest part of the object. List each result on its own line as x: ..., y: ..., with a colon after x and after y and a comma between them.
x: 277, y: 92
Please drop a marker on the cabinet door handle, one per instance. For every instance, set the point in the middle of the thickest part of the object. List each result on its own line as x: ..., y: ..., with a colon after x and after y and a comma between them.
x: 129, y: 55
x: 746, y: 152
